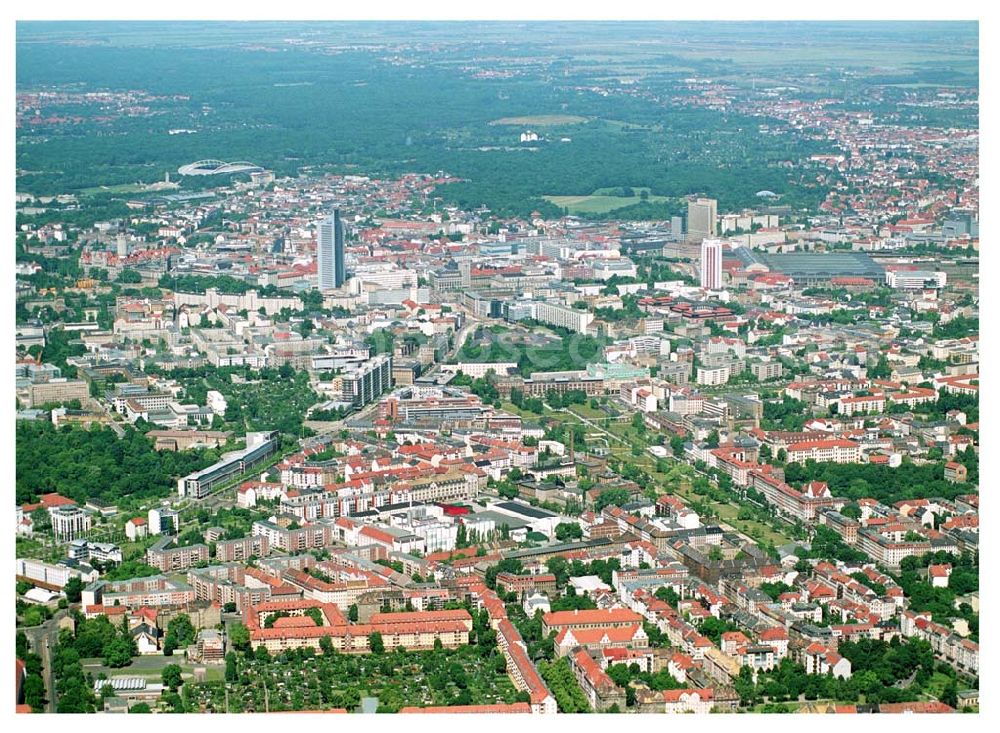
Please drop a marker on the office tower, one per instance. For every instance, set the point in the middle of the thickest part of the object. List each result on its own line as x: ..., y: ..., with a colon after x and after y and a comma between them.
x: 330, y: 252
x: 364, y: 383
x: 711, y: 264
x: 676, y: 227
x: 465, y: 268
x: 702, y: 218
x: 339, y: 275
x: 122, y: 245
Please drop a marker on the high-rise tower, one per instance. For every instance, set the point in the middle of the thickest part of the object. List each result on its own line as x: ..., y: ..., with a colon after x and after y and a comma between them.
x: 702, y: 218
x: 711, y: 264
x: 330, y: 252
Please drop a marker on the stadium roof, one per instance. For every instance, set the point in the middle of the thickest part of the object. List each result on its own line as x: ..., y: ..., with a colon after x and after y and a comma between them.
x: 814, y: 264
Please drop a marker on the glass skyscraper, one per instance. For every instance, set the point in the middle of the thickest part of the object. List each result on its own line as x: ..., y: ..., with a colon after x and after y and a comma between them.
x: 330, y: 252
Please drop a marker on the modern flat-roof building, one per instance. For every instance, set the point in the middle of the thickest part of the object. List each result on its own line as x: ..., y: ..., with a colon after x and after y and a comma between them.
x: 413, y: 408
x: 554, y: 314
x: 364, y: 383
x: 702, y: 218
x: 163, y: 521
x: 161, y: 555
x: 605, y: 269
x: 49, y: 576
x: 259, y: 447
x: 84, y: 551
x: 154, y: 590
x: 480, y: 370
x: 241, y: 549
x: 540, y: 384
x: 915, y: 279
x: 58, y: 390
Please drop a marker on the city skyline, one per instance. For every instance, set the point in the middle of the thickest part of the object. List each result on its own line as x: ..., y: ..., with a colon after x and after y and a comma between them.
x: 505, y: 368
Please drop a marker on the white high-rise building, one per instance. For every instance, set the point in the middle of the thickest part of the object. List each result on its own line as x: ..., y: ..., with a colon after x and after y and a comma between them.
x: 163, y: 521
x: 711, y: 264
x: 69, y: 522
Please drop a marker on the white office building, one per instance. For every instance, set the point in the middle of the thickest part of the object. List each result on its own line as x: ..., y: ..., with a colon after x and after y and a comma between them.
x: 711, y: 264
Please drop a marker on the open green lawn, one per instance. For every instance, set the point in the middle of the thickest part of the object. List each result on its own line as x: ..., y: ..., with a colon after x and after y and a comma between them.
x: 34, y: 548
x: 600, y: 203
x: 540, y: 120
x: 751, y: 527
x: 515, y: 410
x: 585, y: 410
x: 936, y: 684
x: 119, y: 188
x: 151, y: 667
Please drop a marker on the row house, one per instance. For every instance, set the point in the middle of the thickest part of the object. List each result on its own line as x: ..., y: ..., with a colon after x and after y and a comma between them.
x: 962, y: 653
x: 846, y: 527
x: 522, y: 670
x: 601, y: 692
x: 526, y: 584
x: 719, y: 666
x: 337, y: 500
x: 692, y: 700
x: 821, y: 660
x: 803, y: 505
x: 355, y: 638
x: 855, y: 632
x: 251, y: 492
x: 417, y: 630
x: 887, y: 546
x: 646, y: 659
x: 824, y: 451
x: 342, y: 593
x: 874, y: 403
x: 673, y: 575
x: 677, y: 511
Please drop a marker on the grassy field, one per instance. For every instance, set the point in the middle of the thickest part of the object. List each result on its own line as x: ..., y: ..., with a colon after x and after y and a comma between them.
x: 540, y: 120
x: 751, y: 527
x: 585, y: 410
x: 120, y: 188
x: 515, y: 410
x: 727, y: 512
x: 600, y: 203
x: 151, y: 668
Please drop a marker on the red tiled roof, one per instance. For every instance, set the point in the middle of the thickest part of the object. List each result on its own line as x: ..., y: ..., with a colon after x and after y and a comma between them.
x: 592, y: 670
x: 705, y: 693
x: 386, y: 619
x: 915, y: 707
x: 501, y: 709
x: 595, y: 616
x: 598, y: 634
